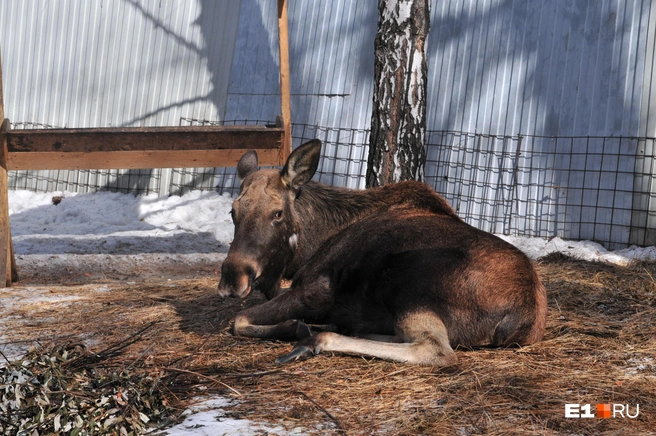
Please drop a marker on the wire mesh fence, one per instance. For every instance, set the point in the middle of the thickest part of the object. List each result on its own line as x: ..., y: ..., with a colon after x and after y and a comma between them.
x: 594, y: 188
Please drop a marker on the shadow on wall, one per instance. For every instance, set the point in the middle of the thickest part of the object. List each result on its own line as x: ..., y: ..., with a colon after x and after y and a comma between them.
x: 331, y: 63
x: 215, y: 49
x: 81, y: 225
x: 254, y: 86
x: 331, y: 55
x: 545, y: 68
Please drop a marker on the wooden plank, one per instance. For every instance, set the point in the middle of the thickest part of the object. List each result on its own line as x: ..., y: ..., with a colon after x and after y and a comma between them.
x: 285, y: 87
x: 134, y: 159
x: 143, y: 138
x: 5, y: 229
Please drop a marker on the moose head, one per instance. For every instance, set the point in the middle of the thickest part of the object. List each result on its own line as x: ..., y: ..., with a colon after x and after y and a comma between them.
x: 266, y: 222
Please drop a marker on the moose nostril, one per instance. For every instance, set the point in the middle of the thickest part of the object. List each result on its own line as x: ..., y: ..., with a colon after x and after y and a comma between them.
x: 237, y: 275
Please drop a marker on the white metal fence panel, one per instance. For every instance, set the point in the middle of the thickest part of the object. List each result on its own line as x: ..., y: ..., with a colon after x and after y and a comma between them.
x: 541, y: 114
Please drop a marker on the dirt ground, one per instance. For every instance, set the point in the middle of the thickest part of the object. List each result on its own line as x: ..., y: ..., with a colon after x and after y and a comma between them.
x: 600, y: 348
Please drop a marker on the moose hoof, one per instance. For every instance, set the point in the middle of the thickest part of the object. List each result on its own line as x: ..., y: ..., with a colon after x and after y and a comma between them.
x: 298, y: 352
x: 302, y: 331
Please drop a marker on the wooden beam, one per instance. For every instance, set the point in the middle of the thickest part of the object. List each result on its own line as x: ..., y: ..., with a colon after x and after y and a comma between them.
x: 135, y: 159
x: 5, y: 229
x: 285, y: 88
x: 143, y: 139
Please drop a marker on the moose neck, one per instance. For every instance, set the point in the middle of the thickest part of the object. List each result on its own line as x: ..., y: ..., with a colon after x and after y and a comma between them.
x: 321, y: 211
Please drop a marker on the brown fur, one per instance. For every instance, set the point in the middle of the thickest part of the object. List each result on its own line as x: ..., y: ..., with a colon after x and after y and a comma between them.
x: 393, y: 262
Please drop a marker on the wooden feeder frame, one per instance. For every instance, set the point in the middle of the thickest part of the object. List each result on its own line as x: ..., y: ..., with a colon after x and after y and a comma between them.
x: 138, y: 147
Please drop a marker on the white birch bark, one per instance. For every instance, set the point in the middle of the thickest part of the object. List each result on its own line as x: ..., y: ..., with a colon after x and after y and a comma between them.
x: 398, y: 122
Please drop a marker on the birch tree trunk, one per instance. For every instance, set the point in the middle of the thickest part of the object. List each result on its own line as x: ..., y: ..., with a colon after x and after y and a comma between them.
x: 398, y: 121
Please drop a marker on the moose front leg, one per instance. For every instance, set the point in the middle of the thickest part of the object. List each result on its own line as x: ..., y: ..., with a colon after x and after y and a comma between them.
x: 289, y: 330
x: 279, y: 317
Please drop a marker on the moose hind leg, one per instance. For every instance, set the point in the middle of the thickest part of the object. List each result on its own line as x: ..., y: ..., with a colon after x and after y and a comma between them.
x: 426, y: 342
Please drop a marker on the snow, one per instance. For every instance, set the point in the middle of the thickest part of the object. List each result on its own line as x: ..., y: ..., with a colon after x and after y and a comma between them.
x: 105, y: 222
x: 207, y: 418
x: 114, y: 231
x: 192, y: 227
x: 584, y: 250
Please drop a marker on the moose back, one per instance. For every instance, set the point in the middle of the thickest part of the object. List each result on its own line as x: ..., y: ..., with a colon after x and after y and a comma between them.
x: 391, y: 272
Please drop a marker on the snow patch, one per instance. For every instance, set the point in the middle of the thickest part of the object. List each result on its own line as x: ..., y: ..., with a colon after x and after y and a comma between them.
x: 584, y: 250
x: 208, y: 418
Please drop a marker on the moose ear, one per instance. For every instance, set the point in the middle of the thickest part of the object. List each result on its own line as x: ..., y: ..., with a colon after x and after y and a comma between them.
x: 247, y: 164
x: 301, y: 164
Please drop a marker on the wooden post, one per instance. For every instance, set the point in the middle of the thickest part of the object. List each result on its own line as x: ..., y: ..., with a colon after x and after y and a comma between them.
x: 285, y: 90
x: 7, y: 261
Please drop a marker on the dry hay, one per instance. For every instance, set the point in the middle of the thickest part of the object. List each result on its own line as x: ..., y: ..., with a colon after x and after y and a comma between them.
x: 599, y: 348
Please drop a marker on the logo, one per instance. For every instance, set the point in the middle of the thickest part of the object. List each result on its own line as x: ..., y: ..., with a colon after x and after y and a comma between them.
x: 602, y: 411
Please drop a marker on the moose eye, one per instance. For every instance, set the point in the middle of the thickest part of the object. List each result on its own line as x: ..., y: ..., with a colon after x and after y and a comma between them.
x: 277, y: 215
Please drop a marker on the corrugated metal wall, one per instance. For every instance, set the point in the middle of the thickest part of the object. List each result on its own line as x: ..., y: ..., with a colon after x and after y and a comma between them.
x: 498, y: 68
x: 643, y: 220
x: 555, y: 69
x: 552, y: 68
x: 102, y: 63
x: 331, y: 57
x: 93, y: 63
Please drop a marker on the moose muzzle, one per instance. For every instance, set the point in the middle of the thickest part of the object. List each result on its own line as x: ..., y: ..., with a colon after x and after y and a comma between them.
x: 237, y: 275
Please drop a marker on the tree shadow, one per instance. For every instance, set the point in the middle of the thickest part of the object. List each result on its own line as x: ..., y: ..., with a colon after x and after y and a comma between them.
x: 138, y: 181
x: 47, y: 229
x: 548, y: 68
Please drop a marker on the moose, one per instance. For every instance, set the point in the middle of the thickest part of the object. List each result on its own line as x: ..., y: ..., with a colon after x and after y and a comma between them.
x: 389, y: 272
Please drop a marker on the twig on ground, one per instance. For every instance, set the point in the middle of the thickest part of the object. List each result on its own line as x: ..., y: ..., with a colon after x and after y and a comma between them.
x: 337, y: 422
x: 215, y: 380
